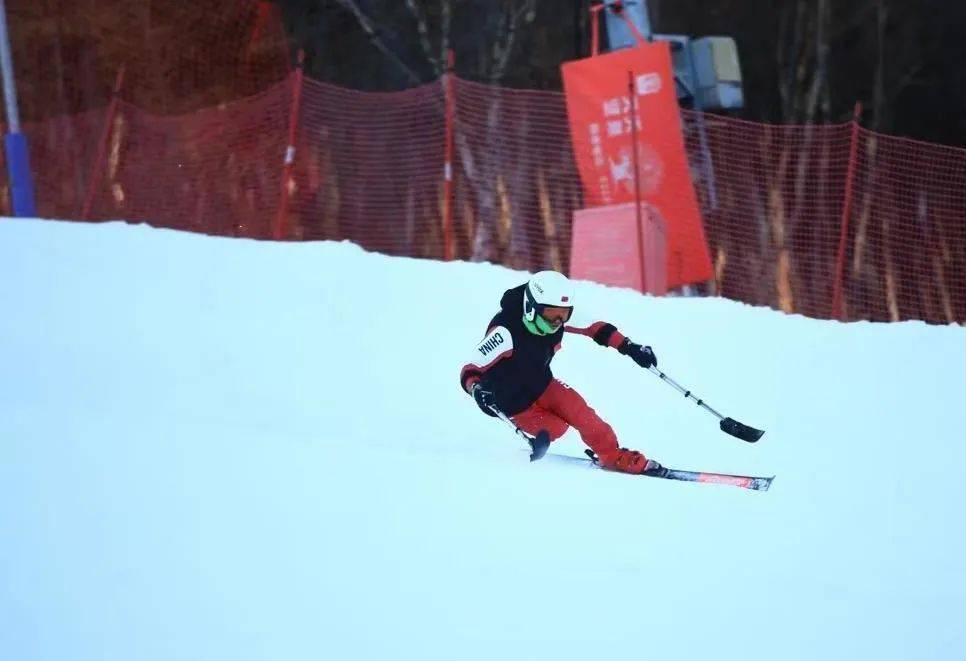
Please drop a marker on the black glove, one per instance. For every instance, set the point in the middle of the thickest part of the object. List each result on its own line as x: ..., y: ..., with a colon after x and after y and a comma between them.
x: 484, y: 396
x: 643, y: 356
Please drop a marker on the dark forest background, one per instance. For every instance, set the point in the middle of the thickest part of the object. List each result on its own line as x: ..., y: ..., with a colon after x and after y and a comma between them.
x: 802, y: 60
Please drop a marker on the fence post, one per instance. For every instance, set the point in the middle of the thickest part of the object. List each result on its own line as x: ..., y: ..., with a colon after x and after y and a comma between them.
x: 97, y: 172
x: 450, y: 103
x: 281, y: 220
x: 637, y: 180
x: 837, y: 303
x: 595, y: 29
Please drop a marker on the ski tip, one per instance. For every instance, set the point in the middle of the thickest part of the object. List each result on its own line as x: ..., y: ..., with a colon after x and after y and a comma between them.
x: 764, y: 483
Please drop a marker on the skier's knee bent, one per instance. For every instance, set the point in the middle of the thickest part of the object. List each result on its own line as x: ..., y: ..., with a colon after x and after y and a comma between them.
x: 535, y: 419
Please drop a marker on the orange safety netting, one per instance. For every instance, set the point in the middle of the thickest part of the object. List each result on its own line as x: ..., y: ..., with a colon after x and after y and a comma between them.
x: 819, y: 220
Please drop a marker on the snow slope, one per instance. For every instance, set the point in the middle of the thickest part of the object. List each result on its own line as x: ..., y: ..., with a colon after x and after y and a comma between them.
x: 225, y: 449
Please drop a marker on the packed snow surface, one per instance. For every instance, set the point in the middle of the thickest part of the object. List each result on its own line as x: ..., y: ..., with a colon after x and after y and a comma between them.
x: 225, y: 449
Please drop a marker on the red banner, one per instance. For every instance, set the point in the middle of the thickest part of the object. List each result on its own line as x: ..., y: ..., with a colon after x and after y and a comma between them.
x: 599, y: 107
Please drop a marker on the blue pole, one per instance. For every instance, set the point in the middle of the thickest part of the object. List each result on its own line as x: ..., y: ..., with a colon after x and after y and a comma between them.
x: 15, y: 143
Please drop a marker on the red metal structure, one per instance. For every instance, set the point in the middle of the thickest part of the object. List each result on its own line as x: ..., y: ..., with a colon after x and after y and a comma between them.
x: 280, y: 230
x: 449, y: 249
x: 97, y: 173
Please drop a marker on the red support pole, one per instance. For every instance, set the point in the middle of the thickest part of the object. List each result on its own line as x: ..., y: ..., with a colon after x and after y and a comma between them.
x: 281, y: 220
x: 450, y: 102
x: 595, y: 29
x: 97, y: 172
x: 261, y: 20
x: 638, y: 37
x: 637, y: 179
x: 837, y: 311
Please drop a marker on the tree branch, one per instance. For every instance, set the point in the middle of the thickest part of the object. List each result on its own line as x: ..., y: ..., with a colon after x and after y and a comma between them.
x: 445, y: 21
x: 819, y: 78
x: 878, y: 85
x: 907, y: 79
x: 528, y: 11
x: 366, y: 24
x: 780, y: 56
x: 423, y: 31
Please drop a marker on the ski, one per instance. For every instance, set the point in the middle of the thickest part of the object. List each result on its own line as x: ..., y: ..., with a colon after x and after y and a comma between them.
x: 742, y: 481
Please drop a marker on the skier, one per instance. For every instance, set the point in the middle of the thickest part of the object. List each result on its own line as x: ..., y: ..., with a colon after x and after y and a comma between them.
x: 510, y: 369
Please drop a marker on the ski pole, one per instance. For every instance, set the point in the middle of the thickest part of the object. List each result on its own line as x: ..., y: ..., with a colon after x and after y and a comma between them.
x: 538, y: 444
x: 727, y: 425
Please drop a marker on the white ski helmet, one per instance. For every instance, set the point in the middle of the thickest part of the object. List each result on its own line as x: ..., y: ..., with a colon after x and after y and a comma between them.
x: 546, y: 289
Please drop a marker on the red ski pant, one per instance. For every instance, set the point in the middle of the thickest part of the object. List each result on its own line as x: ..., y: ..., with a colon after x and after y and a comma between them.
x: 559, y: 408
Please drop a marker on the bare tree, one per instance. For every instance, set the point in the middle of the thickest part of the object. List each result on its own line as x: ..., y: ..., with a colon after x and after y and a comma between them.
x: 368, y: 25
x: 485, y: 35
